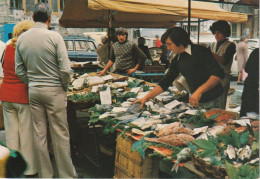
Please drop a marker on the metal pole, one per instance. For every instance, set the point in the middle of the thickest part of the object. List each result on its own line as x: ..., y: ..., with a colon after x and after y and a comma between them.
x: 109, y: 32
x: 189, y: 9
x: 198, y: 31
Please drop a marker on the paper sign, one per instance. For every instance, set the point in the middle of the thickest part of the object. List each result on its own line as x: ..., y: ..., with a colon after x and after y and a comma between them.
x: 105, y: 96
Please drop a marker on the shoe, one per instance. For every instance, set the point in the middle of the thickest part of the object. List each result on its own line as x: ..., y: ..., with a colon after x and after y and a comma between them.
x: 32, y: 176
x: 240, y: 83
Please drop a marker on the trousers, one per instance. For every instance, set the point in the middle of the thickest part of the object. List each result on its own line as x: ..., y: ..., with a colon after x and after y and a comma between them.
x: 48, y: 106
x: 19, y: 132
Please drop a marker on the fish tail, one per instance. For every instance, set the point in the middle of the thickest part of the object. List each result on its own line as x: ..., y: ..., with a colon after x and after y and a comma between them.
x: 175, y: 167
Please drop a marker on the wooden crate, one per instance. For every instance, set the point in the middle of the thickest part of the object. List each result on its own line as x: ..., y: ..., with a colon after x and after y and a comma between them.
x: 130, y: 164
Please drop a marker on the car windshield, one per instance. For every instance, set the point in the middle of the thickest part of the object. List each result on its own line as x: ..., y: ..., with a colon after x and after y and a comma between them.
x: 83, y: 45
x: 252, y: 44
x: 69, y: 45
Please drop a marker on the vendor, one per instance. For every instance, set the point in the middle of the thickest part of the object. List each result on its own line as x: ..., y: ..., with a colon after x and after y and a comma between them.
x: 197, y: 65
x: 223, y: 51
x: 125, y: 54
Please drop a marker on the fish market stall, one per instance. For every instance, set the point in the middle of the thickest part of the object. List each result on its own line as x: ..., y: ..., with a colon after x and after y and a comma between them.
x: 214, y: 143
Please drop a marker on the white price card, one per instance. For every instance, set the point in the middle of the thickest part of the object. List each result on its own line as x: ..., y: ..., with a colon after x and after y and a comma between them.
x: 105, y: 96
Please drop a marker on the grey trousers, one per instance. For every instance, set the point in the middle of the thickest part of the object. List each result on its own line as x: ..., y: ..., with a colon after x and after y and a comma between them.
x: 19, y: 132
x: 48, y: 105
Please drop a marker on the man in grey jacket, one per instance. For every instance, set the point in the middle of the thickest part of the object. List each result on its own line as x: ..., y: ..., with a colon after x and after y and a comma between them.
x: 41, y: 60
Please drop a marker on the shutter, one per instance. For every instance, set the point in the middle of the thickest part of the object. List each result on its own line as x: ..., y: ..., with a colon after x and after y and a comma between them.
x: 29, y: 5
x: 55, y: 5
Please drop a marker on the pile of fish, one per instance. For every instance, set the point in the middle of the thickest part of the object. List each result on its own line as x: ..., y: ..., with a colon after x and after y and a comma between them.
x: 158, y: 114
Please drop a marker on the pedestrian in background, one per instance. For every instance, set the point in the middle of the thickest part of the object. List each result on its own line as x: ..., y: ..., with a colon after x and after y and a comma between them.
x: 144, y: 48
x: 158, y: 42
x: 223, y: 51
x: 250, y: 95
x: 16, y: 110
x: 242, y: 55
x: 41, y: 61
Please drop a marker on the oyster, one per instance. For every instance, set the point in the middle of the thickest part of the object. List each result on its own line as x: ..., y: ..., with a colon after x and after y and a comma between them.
x: 244, y: 153
x: 230, y: 152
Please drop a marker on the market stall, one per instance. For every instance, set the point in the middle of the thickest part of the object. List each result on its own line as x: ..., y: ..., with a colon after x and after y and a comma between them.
x: 216, y: 140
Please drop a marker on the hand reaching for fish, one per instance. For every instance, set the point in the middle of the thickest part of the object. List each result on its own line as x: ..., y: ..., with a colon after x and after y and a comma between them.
x: 195, y: 98
x: 142, y: 101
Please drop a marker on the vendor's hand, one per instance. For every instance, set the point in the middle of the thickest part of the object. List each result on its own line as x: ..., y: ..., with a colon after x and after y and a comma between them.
x: 195, y: 98
x: 130, y: 71
x: 101, y: 73
x: 142, y: 101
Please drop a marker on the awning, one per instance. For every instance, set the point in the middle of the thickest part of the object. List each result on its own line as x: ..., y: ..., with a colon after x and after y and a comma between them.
x: 140, y: 13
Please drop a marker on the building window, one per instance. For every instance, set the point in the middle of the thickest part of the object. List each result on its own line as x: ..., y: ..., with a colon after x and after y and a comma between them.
x: 62, y: 4
x: 16, y: 4
x: 192, y: 28
x: 234, y: 30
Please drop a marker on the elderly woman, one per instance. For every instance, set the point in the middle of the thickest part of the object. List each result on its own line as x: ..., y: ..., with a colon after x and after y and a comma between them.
x: 16, y: 110
x: 242, y: 55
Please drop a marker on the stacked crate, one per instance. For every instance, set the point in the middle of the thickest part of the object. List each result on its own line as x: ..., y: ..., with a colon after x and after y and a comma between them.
x: 130, y: 164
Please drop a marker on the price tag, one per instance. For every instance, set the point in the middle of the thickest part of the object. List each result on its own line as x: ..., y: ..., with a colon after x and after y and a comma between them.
x: 105, y: 96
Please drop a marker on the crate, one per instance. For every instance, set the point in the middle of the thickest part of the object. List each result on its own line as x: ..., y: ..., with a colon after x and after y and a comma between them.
x: 153, y: 69
x: 130, y: 164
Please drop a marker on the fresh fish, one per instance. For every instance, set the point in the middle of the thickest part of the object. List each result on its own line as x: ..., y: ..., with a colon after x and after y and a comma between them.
x: 230, y: 152
x: 253, y: 161
x: 135, y: 108
x: 149, y: 123
x: 184, y: 154
x: 146, y: 114
x: 208, y: 159
x: 179, y: 109
x: 139, y: 132
x: 172, y: 104
x: 244, y: 153
x: 119, y: 110
x: 167, y: 129
x: 164, y: 111
x: 181, y: 115
x: 138, y: 122
x: 156, y: 127
x: 200, y: 130
x: 252, y: 115
x: 131, y: 99
x: 78, y: 83
x: 212, y: 132
x: 126, y: 104
x: 175, y: 140
x: 155, y: 117
x: 126, y: 117
x: 242, y: 122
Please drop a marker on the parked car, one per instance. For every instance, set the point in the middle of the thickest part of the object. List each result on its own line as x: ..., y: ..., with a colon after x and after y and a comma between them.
x: 80, y: 49
x: 252, y: 44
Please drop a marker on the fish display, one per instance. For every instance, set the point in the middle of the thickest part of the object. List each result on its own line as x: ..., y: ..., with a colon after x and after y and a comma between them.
x: 175, y: 140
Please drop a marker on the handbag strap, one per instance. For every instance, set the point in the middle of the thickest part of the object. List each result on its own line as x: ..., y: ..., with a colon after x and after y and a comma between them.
x: 2, y: 58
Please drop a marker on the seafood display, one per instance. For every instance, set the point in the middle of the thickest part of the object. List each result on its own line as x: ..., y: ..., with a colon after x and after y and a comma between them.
x: 215, y: 135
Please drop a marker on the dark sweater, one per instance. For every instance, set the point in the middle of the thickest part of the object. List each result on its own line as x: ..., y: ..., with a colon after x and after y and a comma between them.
x: 197, y: 69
